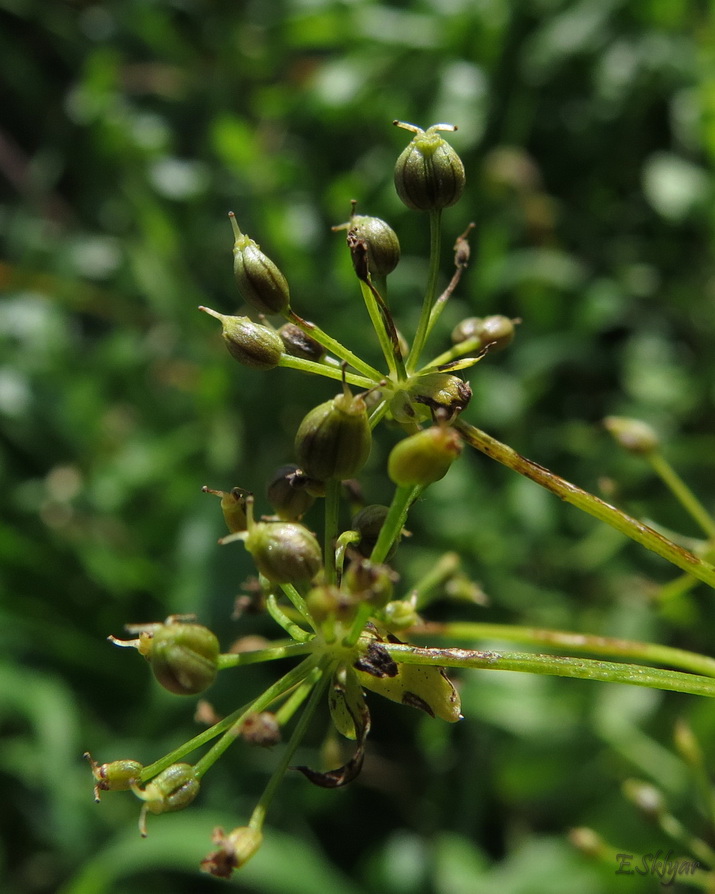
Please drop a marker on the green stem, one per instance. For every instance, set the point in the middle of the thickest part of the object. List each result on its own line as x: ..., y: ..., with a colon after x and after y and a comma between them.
x: 418, y: 344
x: 332, y: 511
x: 404, y: 497
x: 555, y: 665
x: 298, y: 602
x: 377, y: 324
x: 259, y: 813
x: 334, y: 346
x: 589, y: 503
x: 272, y: 653
x: 295, y: 631
x: 464, y: 347
x: 285, y: 713
x: 286, y: 682
x: 329, y: 372
x: 682, y: 492
x: 578, y: 642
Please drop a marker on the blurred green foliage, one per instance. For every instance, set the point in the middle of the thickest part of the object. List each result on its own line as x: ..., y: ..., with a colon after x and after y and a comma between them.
x: 129, y: 129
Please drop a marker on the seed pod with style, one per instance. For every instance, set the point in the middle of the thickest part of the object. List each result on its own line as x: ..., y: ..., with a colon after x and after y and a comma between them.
x: 299, y: 344
x: 334, y: 439
x: 383, y: 246
x: 252, y: 344
x: 288, y: 493
x: 172, y: 790
x: 284, y: 552
x: 429, y: 175
x: 259, y: 280
x: 183, y: 657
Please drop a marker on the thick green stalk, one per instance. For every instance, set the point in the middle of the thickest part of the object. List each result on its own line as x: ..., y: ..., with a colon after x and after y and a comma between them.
x: 435, y: 221
x: 555, y: 665
x: 577, y: 642
x: 589, y: 503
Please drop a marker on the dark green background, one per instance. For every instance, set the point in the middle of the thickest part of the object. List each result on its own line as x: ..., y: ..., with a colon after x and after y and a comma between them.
x: 128, y: 130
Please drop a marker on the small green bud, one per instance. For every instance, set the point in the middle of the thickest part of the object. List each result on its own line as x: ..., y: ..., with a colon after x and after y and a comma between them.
x: 183, y: 657
x: 429, y: 174
x: 369, y: 582
x: 400, y: 615
x: 116, y: 776
x: 497, y: 331
x: 284, y: 552
x: 234, y: 850
x: 632, y: 434
x: 252, y: 344
x: 233, y: 506
x: 173, y: 789
x: 326, y: 601
x: 424, y: 457
x: 299, y: 344
x: 288, y: 493
x: 334, y: 438
x: 428, y: 394
x: 260, y: 282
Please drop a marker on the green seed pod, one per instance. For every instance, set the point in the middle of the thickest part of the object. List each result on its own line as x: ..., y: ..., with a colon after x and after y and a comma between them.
x: 284, y: 552
x: 116, y: 776
x: 368, y: 582
x: 368, y: 523
x: 250, y: 343
x: 424, y: 457
x: 183, y: 657
x: 633, y: 435
x: 429, y: 174
x: 233, y: 506
x: 173, y: 789
x: 383, y: 246
x: 299, y: 344
x: 497, y: 331
x: 334, y: 439
x: 260, y: 282
x: 326, y: 601
x: 288, y: 493
x: 428, y: 394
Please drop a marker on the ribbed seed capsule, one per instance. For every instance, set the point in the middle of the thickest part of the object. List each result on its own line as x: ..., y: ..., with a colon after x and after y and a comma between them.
x: 424, y: 457
x: 288, y: 493
x: 250, y: 343
x: 299, y: 344
x: 284, y: 552
x: 260, y: 282
x: 497, y: 331
x: 334, y: 438
x: 429, y: 174
x: 173, y: 789
x: 383, y: 246
x: 116, y: 776
x: 183, y: 657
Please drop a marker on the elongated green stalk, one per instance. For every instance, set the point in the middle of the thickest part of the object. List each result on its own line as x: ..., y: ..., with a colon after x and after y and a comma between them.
x: 286, y: 682
x: 404, y: 497
x: 435, y: 222
x: 682, y: 492
x: 259, y: 813
x: 272, y: 653
x: 298, y: 602
x: 555, y: 665
x: 295, y: 631
x: 377, y: 324
x: 334, y: 346
x: 329, y: 372
x: 577, y: 642
x: 589, y: 503
x: 332, y: 510
x: 227, y: 723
